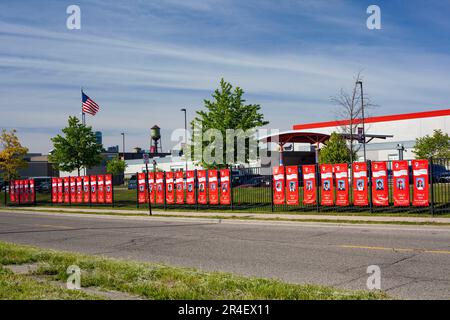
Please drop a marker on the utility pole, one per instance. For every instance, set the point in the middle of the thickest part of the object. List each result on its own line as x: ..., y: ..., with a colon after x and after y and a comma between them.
x: 363, y: 118
x: 123, y: 144
x: 185, y: 137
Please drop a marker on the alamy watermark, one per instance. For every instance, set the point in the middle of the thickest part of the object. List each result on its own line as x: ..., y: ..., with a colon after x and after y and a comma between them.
x: 374, y: 280
x: 73, y: 21
x: 374, y: 20
x: 74, y: 279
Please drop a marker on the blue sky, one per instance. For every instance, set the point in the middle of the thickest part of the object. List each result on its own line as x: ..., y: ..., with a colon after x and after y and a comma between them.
x: 144, y: 60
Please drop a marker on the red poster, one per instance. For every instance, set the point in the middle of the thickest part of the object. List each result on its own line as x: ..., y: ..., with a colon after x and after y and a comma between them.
x: 86, y: 189
x: 142, y: 190
x: 101, y: 188
x: 341, y: 174
x: 66, y: 189
x: 225, y: 187
x: 152, y: 186
x: 170, y: 192
x: 190, y: 191
x: 12, y: 191
x: 108, y: 188
x: 292, y: 185
x: 180, y: 187
x: 278, y: 185
x: 327, y: 189
x: 93, y: 189
x: 213, y: 187
x: 54, y: 190
x: 79, y: 197
x: 201, y: 178
x: 360, y: 192
x: 309, y: 184
x: 73, y: 190
x: 380, y: 187
x: 420, y: 180
x: 401, y: 183
x: 26, y: 191
x: 60, y: 190
x: 17, y: 187
x: 160, y: 187
x: 32, y: 190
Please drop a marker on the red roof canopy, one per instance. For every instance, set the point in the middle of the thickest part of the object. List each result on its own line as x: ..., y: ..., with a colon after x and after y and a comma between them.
x: 296, y: 137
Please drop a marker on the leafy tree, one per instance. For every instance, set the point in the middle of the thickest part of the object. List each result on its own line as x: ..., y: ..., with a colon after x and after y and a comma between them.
x: 77, y: 148
x: 116, y: 166
x: 11, y: 155
x: 228, y: 110
x: 336, y: 151
x: 436, y: 146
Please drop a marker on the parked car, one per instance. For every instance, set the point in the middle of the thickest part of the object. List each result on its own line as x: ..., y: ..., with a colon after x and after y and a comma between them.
x: 257, y: 182
x: 132, y: 183
x: 42, y: 184
x: 440, y: 174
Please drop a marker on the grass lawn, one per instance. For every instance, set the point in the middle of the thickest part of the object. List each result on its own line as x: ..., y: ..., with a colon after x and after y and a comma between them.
x: 150, y: 281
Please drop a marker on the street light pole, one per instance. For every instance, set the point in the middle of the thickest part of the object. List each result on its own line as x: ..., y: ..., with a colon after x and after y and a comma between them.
x: 363, y: 118
x: 123, y: 144
x: 185, y: 137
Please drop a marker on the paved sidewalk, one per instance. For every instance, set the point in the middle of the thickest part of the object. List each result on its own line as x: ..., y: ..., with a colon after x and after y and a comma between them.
x: 237, y: 215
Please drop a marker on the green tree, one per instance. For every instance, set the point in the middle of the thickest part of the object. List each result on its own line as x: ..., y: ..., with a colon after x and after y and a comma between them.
x: 436, y: 146
x: 77, y: 148
x: 227, y: 110
x: 336, y: 151
x: 116, y: 166
x: 11, y: 155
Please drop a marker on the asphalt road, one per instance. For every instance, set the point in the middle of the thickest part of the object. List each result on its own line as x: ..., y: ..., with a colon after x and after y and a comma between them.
x: 414, y: 261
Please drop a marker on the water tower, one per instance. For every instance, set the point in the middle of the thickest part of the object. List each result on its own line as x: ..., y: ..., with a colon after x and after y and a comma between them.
x: 155, y: 135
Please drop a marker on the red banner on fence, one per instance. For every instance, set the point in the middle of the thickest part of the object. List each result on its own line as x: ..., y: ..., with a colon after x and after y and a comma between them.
x: 225, y: 187
x: 54, y: 190
x: 101, y: 189
x: 18, y: 191
x: 73, y: 193
x: 420, y: 180
x: 401, y: 183
x: 32, y: 190
x: 26, y: 191
x: 108, y: 188
x: 86, y: 189
x: 309, y: 187
x: 213, y: 187
x: 292, y: 185
x: 170, y: 192
x: 142, y: 190
x: 326, y: 176
x: 79, y: 197
x: 190, y: 187
x: 278, y: 185
x: 66, y: 189
x: 380, y: 187
x: 60, y: 190
x: 341, y: 175
x: 201, y: 194
x: 360, y: 192
x: 93, y: 189
x: 160, y: 187
x: 179, y: 180
x: 12, y: 191
x: 152, y: 186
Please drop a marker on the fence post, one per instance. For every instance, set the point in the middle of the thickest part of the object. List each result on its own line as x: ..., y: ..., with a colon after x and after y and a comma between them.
x: 195, y: 188
x: 137, y: 191
x: 164, y: 189
x: 231, y: 188
x: 369, y: 180
x: 271, y: 191
x: 431, y: 181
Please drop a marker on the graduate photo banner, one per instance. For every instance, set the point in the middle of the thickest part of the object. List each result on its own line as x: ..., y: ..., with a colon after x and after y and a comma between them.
x: 213, y: 187
x: 342, y: 184
x: 278, y: 185
x: 420, y: 183
x: 360, y: 192
x: 159, y: 187
x: 292, y: 198
x: 326, y: 178
x: 170, y: 192
x: 201, y: 193
x: 190, y: 187
x: 309, y: 184
x: 380, y: 187
x: 179, y: 180
x: 225, y: 187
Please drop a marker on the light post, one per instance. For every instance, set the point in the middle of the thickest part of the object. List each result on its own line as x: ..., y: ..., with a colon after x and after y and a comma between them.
x: 363, y: 118
x: 123, y: 144
x: 185, y: 137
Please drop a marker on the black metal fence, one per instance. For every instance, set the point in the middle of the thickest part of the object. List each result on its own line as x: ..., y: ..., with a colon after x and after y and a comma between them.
x: 252, y: 191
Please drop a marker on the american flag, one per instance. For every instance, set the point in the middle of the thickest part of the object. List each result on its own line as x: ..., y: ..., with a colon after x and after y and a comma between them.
x: 89, y: 105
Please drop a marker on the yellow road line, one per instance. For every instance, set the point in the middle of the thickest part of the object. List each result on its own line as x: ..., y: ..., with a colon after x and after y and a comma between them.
x: 53, y: 226
x: 395, y: 249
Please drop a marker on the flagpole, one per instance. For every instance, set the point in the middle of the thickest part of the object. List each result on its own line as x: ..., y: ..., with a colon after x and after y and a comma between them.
x: 83, y: 115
